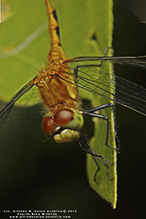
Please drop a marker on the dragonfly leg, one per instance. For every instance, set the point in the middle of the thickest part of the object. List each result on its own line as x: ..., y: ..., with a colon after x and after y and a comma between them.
x: 91, y: 112
x: 96, y: 172
x: 104, y: 54
x: 89, y: 150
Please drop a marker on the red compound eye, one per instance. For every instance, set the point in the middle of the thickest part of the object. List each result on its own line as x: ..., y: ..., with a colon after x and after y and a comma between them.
x: 63, y: 117
x: 47, y: 125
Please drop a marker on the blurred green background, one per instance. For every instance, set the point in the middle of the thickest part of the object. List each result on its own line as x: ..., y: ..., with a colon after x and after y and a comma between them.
x: 54, y: 177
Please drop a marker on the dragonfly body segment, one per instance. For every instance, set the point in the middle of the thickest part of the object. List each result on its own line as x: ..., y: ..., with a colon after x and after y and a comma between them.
x: 59, y: 96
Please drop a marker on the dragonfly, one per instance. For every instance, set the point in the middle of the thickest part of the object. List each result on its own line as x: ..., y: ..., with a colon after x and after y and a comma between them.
x: 58, y: 86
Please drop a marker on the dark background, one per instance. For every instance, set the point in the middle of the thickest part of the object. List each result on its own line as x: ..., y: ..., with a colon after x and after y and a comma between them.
x: 54, y: 177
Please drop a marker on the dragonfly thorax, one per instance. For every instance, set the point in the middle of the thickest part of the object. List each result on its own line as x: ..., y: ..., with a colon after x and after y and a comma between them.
x: 65, y: 125
x: 54, y: 89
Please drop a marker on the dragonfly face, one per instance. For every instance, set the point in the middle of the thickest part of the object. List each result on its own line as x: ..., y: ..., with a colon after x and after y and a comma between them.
x: 71, y: 120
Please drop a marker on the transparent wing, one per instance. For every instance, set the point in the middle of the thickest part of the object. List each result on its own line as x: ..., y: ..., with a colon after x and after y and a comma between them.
x: 135, y: 61
x: 97, y: 81
x: 16, y: 120
x: 16, y: 97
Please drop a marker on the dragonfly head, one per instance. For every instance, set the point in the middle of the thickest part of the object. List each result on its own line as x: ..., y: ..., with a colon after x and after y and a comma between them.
x: 70, y: 119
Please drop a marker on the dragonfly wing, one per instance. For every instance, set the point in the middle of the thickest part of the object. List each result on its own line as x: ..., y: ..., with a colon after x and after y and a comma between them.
x: 139, y: 62
x: 14, y: 117
x: 120, y: 90
x: 135, y: 61
x: 17, y: 96
x: 130, y: 95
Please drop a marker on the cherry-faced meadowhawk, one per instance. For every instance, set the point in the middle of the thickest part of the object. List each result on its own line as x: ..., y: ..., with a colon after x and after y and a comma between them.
x: 58, y: 85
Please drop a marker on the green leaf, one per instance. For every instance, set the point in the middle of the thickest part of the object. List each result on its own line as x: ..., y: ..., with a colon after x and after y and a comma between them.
x: 95, y: 18
x: 24, y: 46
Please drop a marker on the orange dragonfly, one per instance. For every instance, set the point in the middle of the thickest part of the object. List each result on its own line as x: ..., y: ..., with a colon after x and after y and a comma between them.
x: 58, y: 85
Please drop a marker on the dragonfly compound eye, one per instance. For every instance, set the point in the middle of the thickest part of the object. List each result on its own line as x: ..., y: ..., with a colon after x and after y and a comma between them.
x: 47, y: 125
x: 71, y: 119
